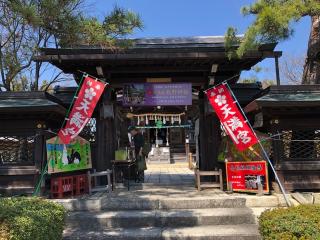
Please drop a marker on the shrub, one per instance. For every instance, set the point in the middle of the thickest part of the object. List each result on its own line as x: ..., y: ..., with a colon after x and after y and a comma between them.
x: 293, y: 223
x: 23, y: 218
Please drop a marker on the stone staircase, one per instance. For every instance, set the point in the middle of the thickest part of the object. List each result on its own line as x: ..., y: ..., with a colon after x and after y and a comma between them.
x: 178, y: 157
x: 178, y: 154
x: 129, y: 217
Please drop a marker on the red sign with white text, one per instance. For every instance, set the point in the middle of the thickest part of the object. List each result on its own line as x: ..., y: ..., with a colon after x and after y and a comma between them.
x: 245, y: 176
x: 231, y: 118
x: 82, y: 109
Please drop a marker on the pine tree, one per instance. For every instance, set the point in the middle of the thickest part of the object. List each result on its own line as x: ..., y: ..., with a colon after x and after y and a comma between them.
x: 274, y: 22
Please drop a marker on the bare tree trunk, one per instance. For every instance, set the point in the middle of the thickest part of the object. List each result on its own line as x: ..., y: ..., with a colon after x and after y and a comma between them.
x: 311, y: 72
x: 37, y: 75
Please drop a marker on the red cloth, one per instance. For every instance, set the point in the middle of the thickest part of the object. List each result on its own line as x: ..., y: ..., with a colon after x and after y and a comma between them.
x: 231, y: 118
x: 82, y: 109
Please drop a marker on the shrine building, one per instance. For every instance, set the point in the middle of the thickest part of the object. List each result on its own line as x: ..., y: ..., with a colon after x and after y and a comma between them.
x: 178, y: 121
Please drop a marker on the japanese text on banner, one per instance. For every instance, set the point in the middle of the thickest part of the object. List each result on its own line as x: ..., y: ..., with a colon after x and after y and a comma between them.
x: 231, y: 118
x: 82, y: 109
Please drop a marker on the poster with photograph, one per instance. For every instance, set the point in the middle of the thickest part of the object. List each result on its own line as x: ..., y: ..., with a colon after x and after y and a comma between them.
x: 68, y: 157
x: 245, y: 176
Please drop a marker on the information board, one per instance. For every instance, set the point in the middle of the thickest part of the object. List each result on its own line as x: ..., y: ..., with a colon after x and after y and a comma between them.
x: 245, y: 176
x: 68, y: 157
x: 157, y: 94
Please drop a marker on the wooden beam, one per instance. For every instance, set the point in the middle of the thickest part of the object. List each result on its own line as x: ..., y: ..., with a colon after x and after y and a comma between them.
x: 149, y: 56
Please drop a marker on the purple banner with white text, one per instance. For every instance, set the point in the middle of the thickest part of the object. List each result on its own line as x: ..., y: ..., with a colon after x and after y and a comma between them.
x: 157, y: 94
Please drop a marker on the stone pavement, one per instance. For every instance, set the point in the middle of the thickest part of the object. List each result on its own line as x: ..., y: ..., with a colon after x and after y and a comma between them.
x: 169, y: 174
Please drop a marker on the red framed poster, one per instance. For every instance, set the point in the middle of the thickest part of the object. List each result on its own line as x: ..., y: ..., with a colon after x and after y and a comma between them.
x: 245, y: 176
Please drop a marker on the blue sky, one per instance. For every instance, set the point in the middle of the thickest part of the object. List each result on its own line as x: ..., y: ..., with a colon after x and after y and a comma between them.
x: 170, y: 18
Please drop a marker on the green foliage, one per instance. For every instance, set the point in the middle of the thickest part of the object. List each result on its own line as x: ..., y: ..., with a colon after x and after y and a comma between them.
x: 294, y: 223
x: 30, y: 218
x: 228, y: 150
x: 231, y: 42
x: 121, y: 22
x: 68, y: 24
x: 117, y: 25
x: 274, y: 22
x: 28, y: 25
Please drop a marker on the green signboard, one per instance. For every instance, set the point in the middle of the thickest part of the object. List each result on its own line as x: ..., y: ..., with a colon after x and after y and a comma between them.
x: 68, y: 157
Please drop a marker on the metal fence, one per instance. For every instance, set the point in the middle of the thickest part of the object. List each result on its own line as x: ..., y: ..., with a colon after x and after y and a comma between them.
x: 300, y: 145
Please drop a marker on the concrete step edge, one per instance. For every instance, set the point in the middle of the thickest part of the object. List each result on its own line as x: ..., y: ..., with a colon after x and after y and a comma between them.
x: 234, y: 232
x: 136, y: 203
x: 211, y: 212
x: 175, y: 218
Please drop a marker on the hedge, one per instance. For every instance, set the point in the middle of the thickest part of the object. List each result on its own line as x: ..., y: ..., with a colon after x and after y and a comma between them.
x: 293, y: 223
x: 23, y: 218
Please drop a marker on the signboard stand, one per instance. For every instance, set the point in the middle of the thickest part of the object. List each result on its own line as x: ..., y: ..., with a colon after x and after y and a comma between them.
x: 90, y: 94
x: 248, y: 177
x: 262, y: 148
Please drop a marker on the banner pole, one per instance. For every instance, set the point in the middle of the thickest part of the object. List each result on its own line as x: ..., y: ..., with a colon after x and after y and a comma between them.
x: 261, y: 146
x: 223, y: 82
x: 44, y: 169
x: 98, y: 79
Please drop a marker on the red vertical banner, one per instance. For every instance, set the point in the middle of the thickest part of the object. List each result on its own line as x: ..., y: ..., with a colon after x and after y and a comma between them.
x: 84, y: 105
x: 231, y: 118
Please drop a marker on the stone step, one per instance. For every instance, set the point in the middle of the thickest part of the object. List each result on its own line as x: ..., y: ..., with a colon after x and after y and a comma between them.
x: 173, y: 155
x: 178, y: 160
x: 180, y: 153
x: 172, y: 218
x: 178, y: 157
x: 142, y: 203
x: 16, y: 191
x: 217, y: 232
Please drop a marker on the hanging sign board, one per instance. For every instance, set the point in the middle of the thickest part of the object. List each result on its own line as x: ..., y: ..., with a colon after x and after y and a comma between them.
x: 157, y: 94
x: 245, y: 176
x: 68, y: 157
x: 231, y: 118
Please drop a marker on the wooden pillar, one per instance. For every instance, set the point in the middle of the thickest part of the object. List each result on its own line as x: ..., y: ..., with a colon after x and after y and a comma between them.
x: 277, y: 152
x: 210, y: 137
x: 105, y: 134
x: 40, y: 157
x: 39, y: 149
x: 202, y: 132
x: 213, y: 141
